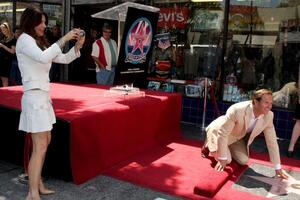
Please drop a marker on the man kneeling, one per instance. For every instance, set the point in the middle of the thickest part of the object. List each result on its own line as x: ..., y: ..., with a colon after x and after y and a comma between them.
x: 230, y: 135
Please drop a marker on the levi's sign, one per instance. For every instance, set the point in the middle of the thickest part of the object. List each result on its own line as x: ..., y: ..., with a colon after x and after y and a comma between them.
x: 173, y: 17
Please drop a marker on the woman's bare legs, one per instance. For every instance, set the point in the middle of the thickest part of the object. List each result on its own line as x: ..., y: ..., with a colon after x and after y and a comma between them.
x: 295, y: 136
x: 40, y: 142
x: 42, y: 188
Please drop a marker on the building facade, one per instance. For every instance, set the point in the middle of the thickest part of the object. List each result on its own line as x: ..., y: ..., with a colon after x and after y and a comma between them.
x: 238, y: 45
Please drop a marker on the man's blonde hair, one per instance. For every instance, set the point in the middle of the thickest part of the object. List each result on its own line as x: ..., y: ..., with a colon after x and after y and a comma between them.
x: 259, y: 93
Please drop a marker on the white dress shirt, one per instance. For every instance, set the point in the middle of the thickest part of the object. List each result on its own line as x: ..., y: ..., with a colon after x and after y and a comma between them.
x: 35, y: 63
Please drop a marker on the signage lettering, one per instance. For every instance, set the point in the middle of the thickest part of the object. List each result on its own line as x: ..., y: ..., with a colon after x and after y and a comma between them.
x: 171, y: 17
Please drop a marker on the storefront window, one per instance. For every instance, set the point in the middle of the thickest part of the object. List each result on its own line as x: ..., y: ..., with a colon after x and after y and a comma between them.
x: 167, y: 61
x: 264, y: 50
x: 54, y: 13
x: 194, y: 50
x: 6, y: 12
x: 204, y: 35
x: 21, y: 6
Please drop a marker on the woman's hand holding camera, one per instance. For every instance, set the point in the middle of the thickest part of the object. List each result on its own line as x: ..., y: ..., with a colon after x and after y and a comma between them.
x: 74, y: 34
x: 80, y: 37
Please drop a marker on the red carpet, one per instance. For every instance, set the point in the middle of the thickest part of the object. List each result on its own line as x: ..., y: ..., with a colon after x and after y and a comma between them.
x: 178, y: 169
x: 175, y: 169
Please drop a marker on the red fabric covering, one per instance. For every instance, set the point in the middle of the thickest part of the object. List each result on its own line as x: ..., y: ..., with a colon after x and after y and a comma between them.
x: 108, y: 129
x: 174, y: 169
x: 227, y: 192
x: 178, y: 167
x: 211, y: 181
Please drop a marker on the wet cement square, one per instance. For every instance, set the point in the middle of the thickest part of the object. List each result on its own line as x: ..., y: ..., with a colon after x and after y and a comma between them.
x: 260, y: 180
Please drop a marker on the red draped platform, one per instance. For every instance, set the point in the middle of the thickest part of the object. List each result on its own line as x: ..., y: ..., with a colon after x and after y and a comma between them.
x: 105, y: 129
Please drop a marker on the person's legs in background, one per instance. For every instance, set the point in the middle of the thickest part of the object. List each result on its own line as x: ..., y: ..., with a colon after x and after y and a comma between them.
x: 111, y: 76
x: 103, y: 77
x: 15, y: 74
x: 4, y: 81
x: 294, y: 138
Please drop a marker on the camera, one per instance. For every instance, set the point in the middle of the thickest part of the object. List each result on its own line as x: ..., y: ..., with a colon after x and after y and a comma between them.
x: 81, y: 33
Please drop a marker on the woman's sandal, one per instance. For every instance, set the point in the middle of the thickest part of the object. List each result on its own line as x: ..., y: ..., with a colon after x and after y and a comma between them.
x: 43, y: 190
x: 46, y: 192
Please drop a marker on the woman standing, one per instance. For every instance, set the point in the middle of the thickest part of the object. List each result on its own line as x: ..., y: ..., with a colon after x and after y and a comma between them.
x: 7, y: 50
x: 37, y: 117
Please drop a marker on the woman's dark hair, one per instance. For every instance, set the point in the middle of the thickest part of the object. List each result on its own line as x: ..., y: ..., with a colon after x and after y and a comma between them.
x: 32, y: 17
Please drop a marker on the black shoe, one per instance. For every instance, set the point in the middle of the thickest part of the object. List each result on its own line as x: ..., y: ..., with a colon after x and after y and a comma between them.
x: 290, y: 154
x: 204, y: 152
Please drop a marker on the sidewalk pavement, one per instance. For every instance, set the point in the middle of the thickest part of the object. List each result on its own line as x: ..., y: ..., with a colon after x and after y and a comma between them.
x: 103, y: 187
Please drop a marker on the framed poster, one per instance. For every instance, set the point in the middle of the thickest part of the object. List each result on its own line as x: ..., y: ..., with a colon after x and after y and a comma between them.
x: 136, y: 46
x: 203, y: 20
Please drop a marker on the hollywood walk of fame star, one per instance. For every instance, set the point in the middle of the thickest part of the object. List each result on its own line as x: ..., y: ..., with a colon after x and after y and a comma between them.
x: 280, y: 186
x: 138, y: 44
x: 139, y: 38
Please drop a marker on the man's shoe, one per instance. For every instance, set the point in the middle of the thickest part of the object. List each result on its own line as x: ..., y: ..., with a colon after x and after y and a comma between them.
x: 204, y: 151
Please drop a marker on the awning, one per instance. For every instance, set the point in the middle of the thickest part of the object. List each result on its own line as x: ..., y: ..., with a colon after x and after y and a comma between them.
x: 119, y: 12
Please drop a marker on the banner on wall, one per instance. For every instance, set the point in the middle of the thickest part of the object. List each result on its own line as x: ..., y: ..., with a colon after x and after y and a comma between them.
x: 136, y: 45
x: 173, y: 17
